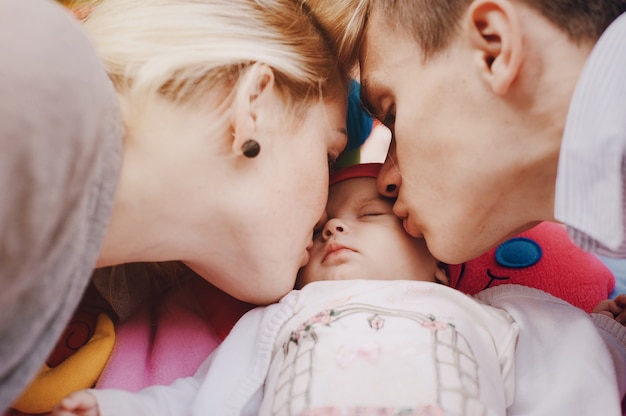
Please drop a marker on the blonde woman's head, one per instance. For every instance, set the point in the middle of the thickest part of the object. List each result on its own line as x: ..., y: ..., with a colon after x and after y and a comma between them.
x: 197, y: 79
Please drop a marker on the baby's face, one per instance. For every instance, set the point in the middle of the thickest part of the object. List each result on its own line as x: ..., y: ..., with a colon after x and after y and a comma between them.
x: 359, y: 237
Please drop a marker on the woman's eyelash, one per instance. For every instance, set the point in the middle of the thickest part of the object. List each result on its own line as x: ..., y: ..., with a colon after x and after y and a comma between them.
x: 332, y: 162
x: 317, y: 232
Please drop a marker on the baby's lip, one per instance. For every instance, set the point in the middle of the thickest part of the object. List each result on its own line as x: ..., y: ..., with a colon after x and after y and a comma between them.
x: 334, y: 247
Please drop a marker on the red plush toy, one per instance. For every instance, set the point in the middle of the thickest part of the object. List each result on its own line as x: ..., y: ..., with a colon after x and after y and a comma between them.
x: 543, y: 258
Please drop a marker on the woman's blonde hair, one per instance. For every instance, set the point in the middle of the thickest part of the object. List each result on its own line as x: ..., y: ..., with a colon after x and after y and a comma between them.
x: 179, y: 49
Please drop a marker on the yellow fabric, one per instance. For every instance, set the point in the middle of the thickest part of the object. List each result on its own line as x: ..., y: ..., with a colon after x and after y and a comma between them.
x: 79, y: 371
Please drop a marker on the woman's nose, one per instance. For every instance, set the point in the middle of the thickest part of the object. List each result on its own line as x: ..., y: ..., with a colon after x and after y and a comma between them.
x: 389, y: 178
x: 333, y: 227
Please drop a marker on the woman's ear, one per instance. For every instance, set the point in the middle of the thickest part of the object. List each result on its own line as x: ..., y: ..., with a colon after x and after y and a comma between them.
x: 495, y: 34
x: 253, y: 96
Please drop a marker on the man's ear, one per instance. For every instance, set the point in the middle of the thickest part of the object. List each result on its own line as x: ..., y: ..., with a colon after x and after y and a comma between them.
x: 495, y: 34
x: 253, y: 94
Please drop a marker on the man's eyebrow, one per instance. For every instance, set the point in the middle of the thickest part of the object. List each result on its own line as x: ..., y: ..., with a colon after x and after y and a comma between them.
x: 367, y: 106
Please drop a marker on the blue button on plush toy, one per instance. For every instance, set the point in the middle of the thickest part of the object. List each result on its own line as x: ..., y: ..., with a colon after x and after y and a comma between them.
x: 518, y: 252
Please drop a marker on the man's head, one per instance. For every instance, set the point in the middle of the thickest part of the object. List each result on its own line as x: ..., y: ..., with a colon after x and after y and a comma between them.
x: 359, y: 237
x: 476, y: 95
x: 433, y: 24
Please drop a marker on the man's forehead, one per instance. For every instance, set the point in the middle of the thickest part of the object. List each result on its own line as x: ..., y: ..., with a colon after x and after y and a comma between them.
x: 369, y: 56
x: 383, y: 58
x: 385, y: 43
x: 379, y: 54
x: 370, y: 59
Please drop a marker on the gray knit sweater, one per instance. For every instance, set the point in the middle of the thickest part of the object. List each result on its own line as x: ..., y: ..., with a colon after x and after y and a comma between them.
x: 60, y: 156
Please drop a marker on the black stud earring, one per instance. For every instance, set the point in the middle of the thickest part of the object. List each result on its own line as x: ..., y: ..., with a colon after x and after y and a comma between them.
x: 251, y: 148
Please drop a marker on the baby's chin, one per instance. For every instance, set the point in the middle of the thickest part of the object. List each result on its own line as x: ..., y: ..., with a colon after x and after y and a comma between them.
x: 349, y: 276
x: 343, y: 271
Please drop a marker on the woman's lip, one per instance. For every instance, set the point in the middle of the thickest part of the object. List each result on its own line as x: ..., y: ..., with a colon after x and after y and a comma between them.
x: 307, y: 257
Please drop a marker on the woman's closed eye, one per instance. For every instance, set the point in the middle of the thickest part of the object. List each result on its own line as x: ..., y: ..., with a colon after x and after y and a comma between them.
x: 317, y: 232
x: 332, y: 162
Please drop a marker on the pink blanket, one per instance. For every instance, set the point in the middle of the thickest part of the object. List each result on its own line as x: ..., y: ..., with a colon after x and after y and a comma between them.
x: 170, y: 338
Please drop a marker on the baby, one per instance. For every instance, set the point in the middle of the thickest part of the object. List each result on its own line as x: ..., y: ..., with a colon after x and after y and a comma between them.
x: 374, y: 329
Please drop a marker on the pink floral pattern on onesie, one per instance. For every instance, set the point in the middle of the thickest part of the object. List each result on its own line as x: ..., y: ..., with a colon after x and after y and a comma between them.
x: 362, y: 360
